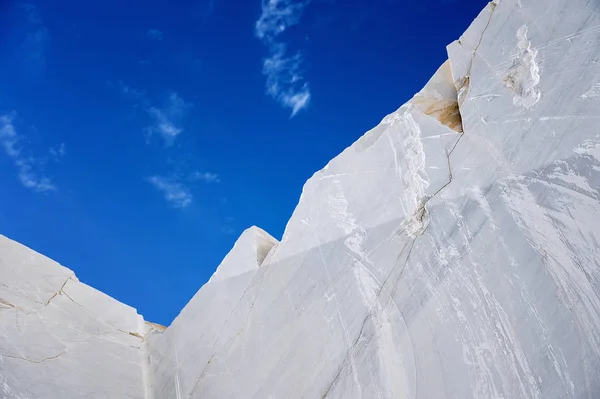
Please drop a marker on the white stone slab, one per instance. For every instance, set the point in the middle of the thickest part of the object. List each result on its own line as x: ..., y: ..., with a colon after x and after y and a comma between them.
x: 453, y: 251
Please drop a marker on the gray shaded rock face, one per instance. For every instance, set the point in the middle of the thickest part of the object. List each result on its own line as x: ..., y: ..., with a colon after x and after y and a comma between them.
x: 451, y: 252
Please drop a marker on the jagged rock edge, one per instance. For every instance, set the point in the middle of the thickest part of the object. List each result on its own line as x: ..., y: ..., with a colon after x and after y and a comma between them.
x: 422, y: 209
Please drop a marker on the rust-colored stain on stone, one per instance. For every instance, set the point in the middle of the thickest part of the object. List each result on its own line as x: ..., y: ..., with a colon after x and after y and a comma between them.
x: 445, y: 111
x: 159, y: 327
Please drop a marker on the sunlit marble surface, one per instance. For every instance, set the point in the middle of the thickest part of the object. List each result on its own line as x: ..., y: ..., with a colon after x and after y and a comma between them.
x: 451, y: 252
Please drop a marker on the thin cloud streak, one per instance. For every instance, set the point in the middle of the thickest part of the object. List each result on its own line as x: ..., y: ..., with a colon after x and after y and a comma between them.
x: 174, y: 191
x: 130, y: 92
x: 285, y: 80
x: 166, y: 120
x: 155, y: 34
x: 58, y: 151
x: 26, y: 166
x: 205, y: 176
x: 163, y: 125
x: 277, y: 16
x: 177, y: 189
x: 36, y: 40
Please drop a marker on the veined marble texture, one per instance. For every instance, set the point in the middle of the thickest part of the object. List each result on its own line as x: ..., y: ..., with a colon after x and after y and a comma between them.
x: 453, y: 251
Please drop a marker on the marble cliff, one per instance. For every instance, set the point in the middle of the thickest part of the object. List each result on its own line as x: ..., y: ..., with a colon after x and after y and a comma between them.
x: 453, y: 251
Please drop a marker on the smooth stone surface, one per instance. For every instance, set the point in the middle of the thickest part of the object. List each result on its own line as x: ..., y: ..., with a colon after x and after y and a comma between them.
x: 426, y: 263
x: 60, y: 338
x: 453, y: 251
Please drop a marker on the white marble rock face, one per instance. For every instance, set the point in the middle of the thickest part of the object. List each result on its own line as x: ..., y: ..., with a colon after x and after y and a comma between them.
x: 453, y: 251
x: 60, y: 338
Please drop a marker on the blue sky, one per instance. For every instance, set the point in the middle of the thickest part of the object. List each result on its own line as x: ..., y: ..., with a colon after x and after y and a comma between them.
x: 139, y: 139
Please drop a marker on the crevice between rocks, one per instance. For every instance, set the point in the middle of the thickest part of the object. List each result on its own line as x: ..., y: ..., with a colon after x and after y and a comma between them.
x: 421, y: 211
x: 462, y: 91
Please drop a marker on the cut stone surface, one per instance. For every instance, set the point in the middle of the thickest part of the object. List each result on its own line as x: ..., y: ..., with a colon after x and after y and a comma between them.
x: 452, y: 251
x: 60, y: 338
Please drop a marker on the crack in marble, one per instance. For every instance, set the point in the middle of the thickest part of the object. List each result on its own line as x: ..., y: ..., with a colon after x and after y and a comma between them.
x: 346, y: 358
x: 60, y: 291
x: 33, y: 361
x: 370, y: 314
x: 463, y: 85
x: 421, y: 210
x: 214, y: 349
x: 6, y: 304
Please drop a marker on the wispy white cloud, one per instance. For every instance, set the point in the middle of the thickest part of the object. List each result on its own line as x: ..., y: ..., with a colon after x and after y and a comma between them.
x: 155, y: 34
x: 177, y: 106
x: 130, y: 92
x: 285, y: 80
x: 277, y: 16
x: 58, y: 151
x: 173, y: 190
x: 167, y: 119
x: 163, y: 125
x: 9, y: 137
x: 28, y: 169
x: 36, y: 39
x: 176, y: 186
x: 205, y: 176
x: 177, y: 189
x: 32, y: 179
